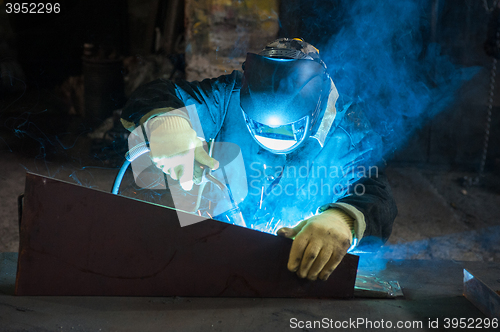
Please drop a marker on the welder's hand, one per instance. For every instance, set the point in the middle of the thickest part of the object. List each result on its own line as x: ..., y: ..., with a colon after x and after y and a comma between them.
x: 320, y: 244
x: 174, y: 148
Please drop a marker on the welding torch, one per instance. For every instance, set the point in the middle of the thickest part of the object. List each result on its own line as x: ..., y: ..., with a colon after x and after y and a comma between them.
x: 206, y: 174
x: 235, y: 213
x: 143, y: 148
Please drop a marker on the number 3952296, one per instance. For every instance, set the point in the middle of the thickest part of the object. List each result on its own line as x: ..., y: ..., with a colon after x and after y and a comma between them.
x: 32, y: 8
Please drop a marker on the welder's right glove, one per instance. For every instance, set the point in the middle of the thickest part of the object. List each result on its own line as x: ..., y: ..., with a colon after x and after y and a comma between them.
x: 174, y: 148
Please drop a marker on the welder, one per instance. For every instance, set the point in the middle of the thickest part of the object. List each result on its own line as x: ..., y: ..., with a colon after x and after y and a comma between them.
x: 286, y: 115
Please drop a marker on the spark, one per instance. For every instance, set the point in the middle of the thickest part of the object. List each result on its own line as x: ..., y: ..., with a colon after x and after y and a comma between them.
x: 261, y: 195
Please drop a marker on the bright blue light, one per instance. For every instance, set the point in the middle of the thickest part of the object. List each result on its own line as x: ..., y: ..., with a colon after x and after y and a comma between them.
x: 280, y: 59
x: 274, y: 121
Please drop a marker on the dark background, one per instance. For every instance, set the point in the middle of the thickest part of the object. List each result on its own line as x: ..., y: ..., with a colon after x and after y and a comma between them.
x: 49, y: 49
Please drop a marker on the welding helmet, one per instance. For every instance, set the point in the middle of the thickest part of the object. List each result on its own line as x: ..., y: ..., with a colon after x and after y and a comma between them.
x: 283, y: 94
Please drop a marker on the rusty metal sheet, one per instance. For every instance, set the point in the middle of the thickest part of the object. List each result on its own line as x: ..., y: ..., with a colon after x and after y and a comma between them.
x: 81, y: 241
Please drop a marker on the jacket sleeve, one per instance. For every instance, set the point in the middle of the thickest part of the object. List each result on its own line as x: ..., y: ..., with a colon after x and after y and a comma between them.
x: 374, y: 210
x: 378, y: 207
x: 210, y: 96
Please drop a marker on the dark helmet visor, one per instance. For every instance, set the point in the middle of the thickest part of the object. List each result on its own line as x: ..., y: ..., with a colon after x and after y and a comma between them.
x: 281, y: 91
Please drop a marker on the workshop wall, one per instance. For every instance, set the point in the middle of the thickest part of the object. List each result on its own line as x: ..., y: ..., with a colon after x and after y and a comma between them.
x: 219, y: 33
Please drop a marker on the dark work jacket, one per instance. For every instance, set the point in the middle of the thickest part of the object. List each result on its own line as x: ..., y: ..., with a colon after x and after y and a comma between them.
x: 281, y: 190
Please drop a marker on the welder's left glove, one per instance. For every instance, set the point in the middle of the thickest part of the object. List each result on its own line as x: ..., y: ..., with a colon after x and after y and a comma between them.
x: 320, y: 243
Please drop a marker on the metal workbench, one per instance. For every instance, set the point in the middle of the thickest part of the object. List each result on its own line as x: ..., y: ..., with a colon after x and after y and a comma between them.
x: 432, y: 290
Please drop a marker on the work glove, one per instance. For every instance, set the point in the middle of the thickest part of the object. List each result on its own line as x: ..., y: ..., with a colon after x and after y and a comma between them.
x: 320, y: 243
x: 175, y: 146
